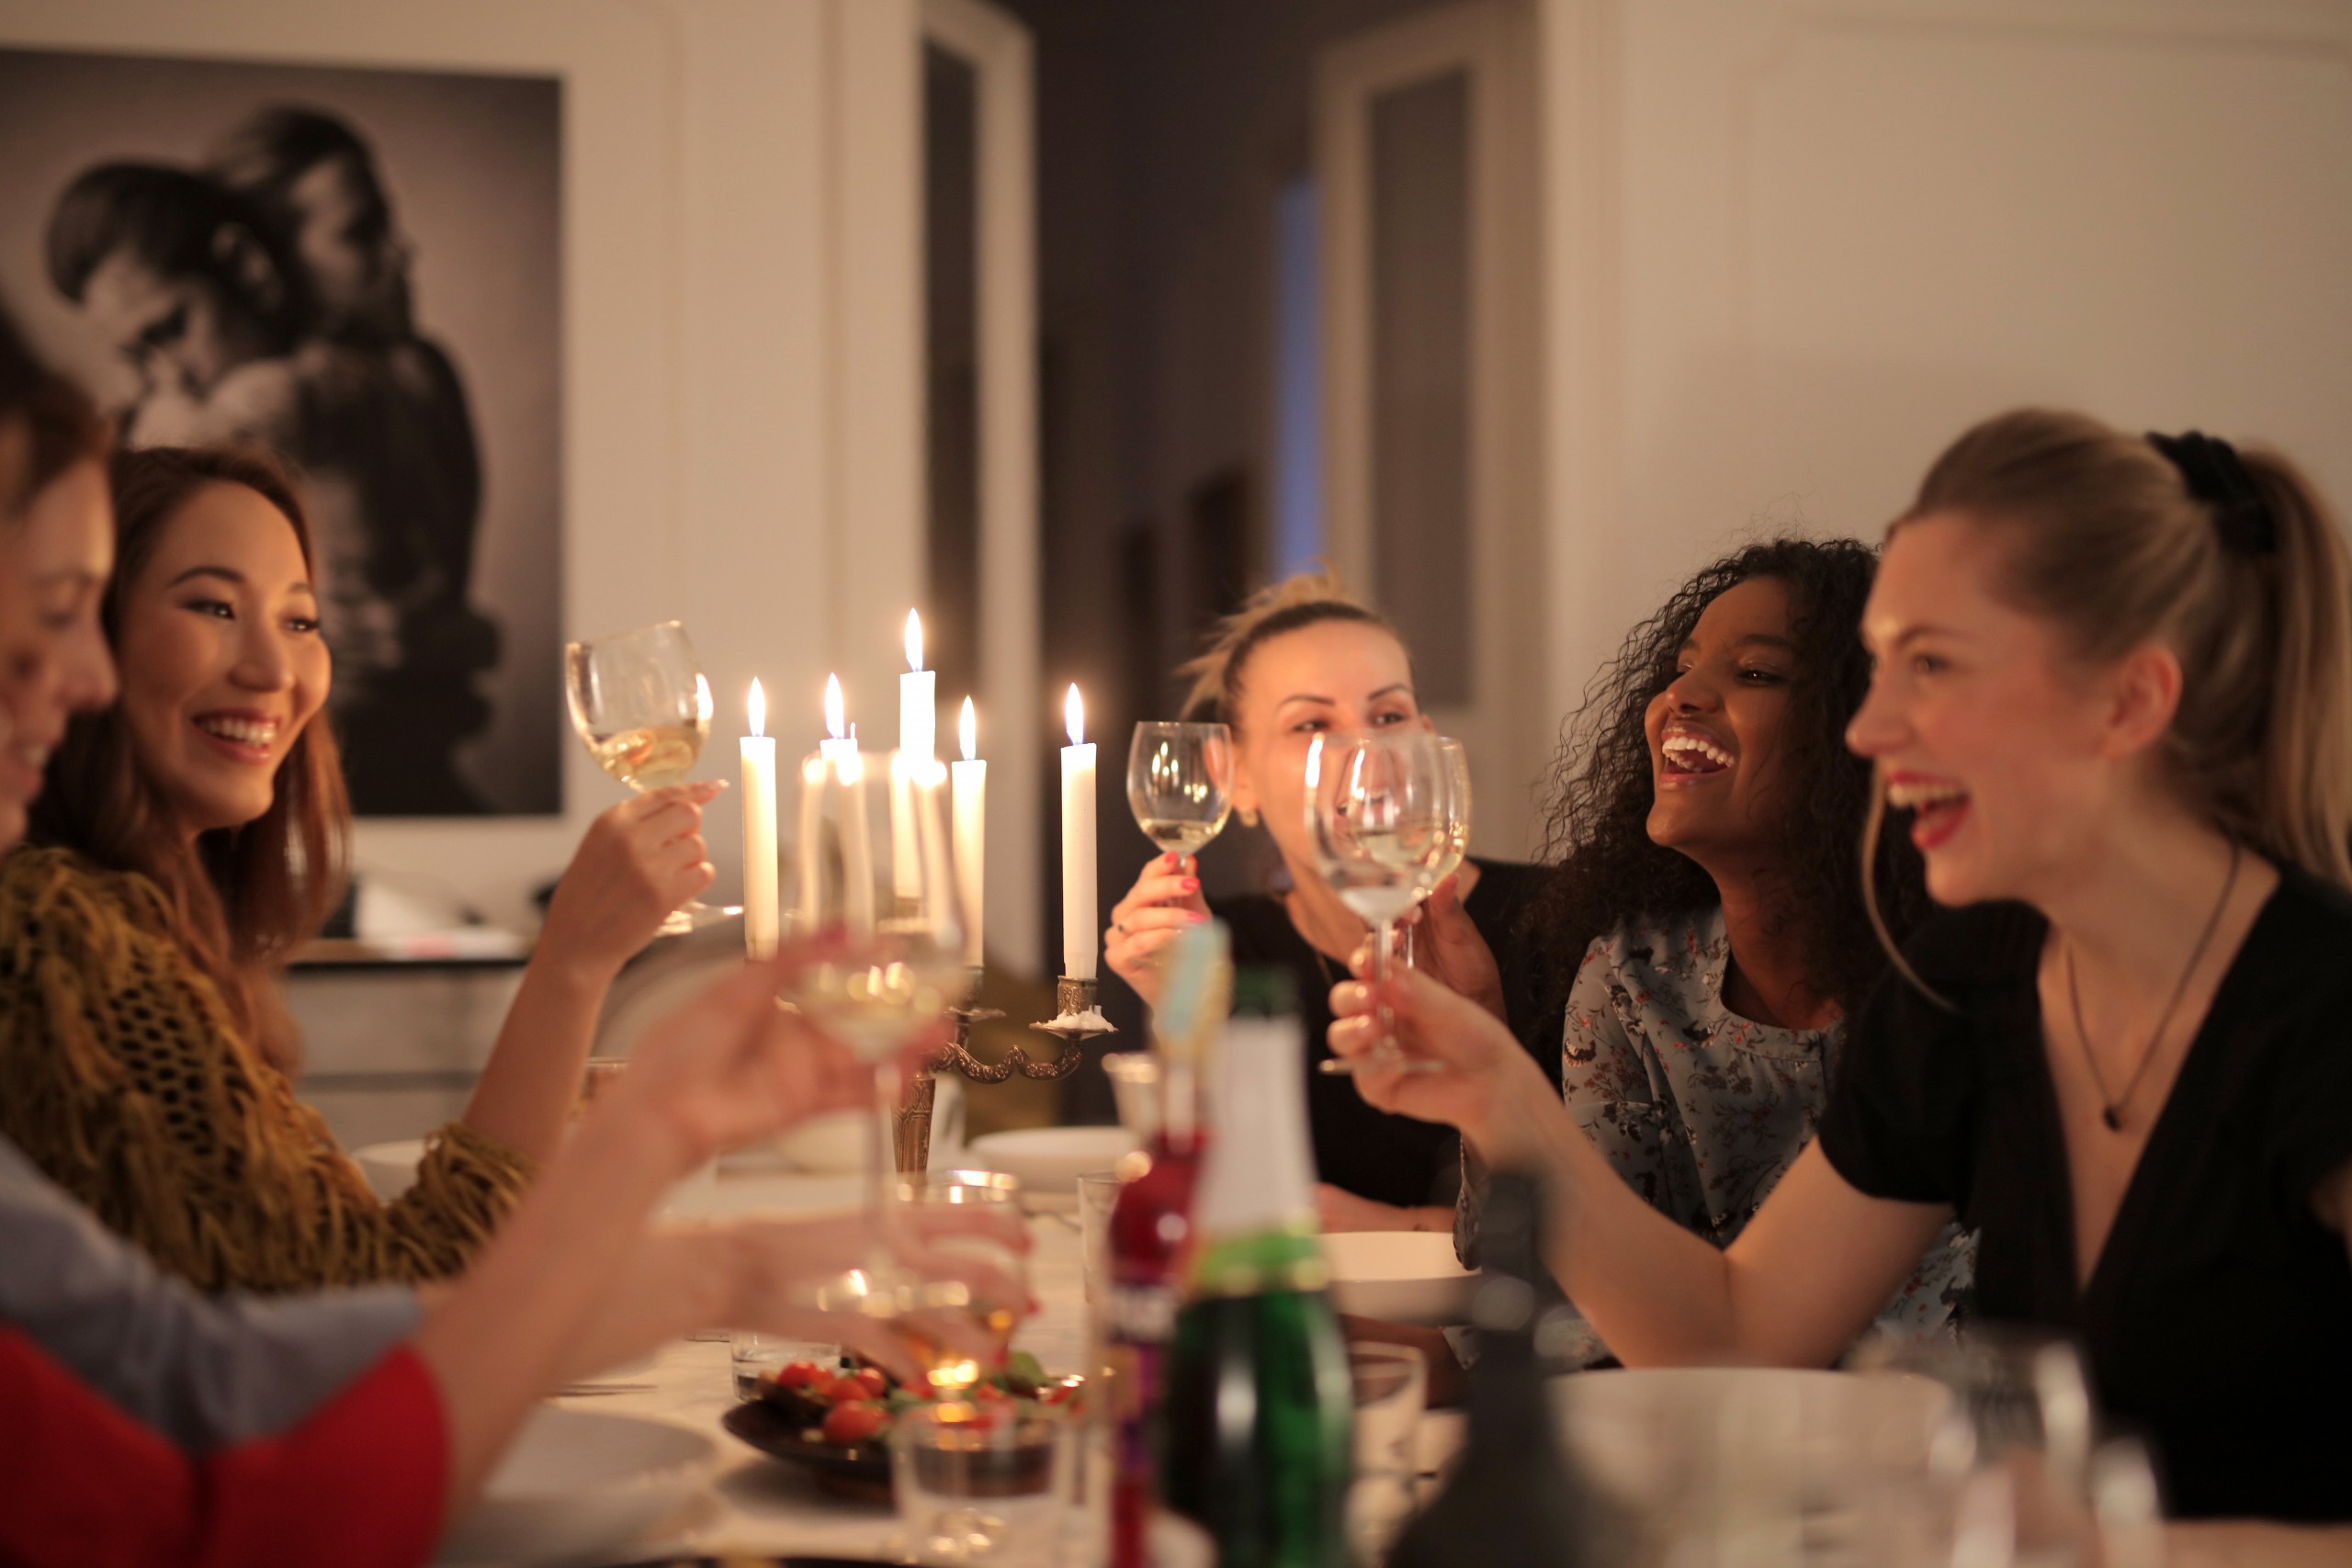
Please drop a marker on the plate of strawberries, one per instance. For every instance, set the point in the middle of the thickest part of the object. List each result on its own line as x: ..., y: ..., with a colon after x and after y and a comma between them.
x: 835, y: 1418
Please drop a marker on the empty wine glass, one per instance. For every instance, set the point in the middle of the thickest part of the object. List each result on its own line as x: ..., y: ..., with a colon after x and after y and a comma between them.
x: 639, y: 701
x: 1180, y: 783
x: 1376, y: 820
x: 1457, y: 825
x: 883, y: 882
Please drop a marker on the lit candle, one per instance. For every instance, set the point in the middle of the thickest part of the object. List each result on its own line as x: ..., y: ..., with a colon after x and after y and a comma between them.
x: 969, y: 785
x: 918, y: 699
x: 836, y: 757
x: 1079, y: 935
x: 759, y: 916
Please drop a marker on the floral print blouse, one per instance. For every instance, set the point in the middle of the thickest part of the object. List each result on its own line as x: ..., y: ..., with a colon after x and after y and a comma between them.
x: 1699, y: 1110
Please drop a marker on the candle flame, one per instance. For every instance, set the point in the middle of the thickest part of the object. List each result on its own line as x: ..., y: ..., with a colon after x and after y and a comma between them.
x: 758, y: 705
x: 967, y: 730
x: 914, y: 642
x: 833, y: 706
x: 1074, y: 715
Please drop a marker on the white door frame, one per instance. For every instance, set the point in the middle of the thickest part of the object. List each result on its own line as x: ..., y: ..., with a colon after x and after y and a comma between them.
x: 998, y: 47
x: 1493, y: 42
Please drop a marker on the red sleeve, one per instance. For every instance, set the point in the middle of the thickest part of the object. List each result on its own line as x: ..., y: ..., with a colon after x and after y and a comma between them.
x: 360, y: 1483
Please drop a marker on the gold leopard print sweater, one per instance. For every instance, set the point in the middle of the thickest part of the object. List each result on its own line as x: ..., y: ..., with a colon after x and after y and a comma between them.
x: 122, y: 1077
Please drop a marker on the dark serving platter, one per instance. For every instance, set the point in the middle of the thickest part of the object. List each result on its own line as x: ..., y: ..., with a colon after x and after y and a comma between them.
x: 856, y: 1470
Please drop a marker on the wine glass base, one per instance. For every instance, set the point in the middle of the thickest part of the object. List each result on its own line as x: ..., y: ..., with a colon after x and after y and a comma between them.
x: 696, y: 914
x: 1377, y: 1061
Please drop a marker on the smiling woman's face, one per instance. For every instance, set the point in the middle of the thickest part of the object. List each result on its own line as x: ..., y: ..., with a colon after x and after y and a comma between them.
x: 1717, y: 731
x: 1332, y: 675
x: 222, y: 665
x: 1984, y: 731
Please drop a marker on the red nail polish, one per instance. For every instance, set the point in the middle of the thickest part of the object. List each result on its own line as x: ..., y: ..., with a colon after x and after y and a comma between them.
x: 1192, y: 884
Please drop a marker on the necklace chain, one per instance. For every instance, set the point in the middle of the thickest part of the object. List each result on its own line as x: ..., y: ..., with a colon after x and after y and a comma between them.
x: 2111, y: 1106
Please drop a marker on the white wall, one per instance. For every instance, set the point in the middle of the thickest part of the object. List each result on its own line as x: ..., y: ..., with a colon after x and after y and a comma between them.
x: 1795, y: 248
x: 742, y: 438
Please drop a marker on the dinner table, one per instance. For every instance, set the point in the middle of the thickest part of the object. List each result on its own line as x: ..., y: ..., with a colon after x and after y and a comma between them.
x: 757, y: 1506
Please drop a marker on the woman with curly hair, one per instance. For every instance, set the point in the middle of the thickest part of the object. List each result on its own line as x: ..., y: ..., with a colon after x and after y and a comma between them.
x: 1701, y: 836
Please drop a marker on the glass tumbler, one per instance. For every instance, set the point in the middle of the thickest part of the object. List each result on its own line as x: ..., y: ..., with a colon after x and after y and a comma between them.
x: 984, y: 1483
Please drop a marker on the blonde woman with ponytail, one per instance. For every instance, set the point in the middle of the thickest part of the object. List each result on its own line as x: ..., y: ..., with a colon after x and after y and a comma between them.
x: 2112, y: 707
x: 1300, y: 658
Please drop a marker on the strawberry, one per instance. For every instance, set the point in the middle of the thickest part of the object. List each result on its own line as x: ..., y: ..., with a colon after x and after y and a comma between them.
x: 849, y: 1425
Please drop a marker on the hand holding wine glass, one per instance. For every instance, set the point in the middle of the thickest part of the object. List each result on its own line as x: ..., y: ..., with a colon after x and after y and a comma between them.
x: 640, y: 703
x: 1377, y: 822
x: 1180, y: 786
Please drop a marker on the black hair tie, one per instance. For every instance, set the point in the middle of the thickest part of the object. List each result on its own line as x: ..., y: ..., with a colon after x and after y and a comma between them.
x: 2217, y: 476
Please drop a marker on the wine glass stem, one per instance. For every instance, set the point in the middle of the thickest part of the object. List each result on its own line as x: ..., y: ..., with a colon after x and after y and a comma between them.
x: 1383, y: 935
x: 881, y: 1163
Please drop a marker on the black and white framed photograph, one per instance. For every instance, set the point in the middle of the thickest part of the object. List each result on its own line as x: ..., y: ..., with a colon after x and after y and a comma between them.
x: 361, y: 270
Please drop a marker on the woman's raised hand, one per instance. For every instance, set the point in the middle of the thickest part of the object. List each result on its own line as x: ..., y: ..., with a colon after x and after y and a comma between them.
x: 1164, y: 900
x: 637, y: 862
x: 1484, y: 1065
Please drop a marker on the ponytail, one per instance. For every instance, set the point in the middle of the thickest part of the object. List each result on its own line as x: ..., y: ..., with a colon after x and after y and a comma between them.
x: 2301, y: 805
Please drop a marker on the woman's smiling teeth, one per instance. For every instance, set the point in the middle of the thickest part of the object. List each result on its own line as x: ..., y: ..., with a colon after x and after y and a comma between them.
x: 258, y: 734
x: 1917, y: 795
x: 1686, y: 752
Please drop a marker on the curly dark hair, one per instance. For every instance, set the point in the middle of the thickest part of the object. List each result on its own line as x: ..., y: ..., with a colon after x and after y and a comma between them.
x: 1606, y: 869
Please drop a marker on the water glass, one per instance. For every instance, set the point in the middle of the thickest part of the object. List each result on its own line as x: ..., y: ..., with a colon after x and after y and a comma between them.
x: 979, y: 1483
x: 970, y: 1191
x: 1098, y: 1194
x: 1391, y: 1393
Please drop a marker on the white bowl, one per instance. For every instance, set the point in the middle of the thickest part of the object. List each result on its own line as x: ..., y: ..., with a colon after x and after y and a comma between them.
x: 1398, y: 1276
x: 1650, y: 1437
x: 1049, y: 1160
x: 391, y: 1168
x: 579, y: 1484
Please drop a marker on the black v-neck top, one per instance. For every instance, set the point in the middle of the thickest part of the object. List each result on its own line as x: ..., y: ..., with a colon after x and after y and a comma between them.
x: 1376, y: 1154
x: 2218, y: 1321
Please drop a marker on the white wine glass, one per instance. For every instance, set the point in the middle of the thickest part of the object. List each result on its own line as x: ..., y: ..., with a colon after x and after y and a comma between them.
x: 1457, y: 825
x: 878, y: 880
x: 639, y: 700
x: 1180, y: 783
x: 1376, y: 815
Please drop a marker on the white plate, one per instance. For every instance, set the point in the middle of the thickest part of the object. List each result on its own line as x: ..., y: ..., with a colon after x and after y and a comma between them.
x: 579, y: 1483
x: 391, y: 1168
x: 1049, y: 1160
x: 1398, y: 1276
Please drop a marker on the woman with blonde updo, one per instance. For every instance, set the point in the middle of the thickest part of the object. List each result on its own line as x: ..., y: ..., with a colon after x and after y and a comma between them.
x: 1300, y: 658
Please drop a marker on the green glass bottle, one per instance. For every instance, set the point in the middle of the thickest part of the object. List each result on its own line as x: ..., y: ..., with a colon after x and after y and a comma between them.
x: 1255, y: 1444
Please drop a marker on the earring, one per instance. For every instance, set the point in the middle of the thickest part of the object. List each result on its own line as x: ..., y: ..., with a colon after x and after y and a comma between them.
x: 1249, y: 816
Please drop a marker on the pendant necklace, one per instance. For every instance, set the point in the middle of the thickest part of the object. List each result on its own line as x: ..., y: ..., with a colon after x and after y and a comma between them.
x: 2111, y: 1110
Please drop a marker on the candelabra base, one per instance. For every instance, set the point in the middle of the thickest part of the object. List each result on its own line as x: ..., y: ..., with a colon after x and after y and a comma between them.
x: 913, y: 1129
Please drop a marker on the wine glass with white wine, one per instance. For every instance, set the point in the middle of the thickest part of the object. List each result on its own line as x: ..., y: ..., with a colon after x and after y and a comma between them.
x: 879, y: 884
x: 639, y: 700
x: 1457, y: 825
x: 1180, y: 783
x: 1376, y: 821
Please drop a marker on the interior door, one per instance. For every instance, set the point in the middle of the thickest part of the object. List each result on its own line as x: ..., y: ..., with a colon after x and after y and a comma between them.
x: 980, y: 416
x: 1424, y: 152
